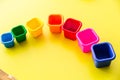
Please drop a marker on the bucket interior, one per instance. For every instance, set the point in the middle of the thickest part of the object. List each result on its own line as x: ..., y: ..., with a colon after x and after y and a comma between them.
x: 6, y: 37
x: 34, y: 23
x: 18, y: 30
x: 72, y: 25
x: 87, y: 36
x: 103, y: 51
x: 55, y: 19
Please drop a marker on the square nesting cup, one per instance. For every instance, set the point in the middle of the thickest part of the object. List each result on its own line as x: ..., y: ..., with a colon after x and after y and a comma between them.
x: 7, y: 39
x: 86, y: 39
x: 35, y: 27
x: 71, y: 27
x: 55, y: 22
x: 103, y: 54
x: 19, y: 32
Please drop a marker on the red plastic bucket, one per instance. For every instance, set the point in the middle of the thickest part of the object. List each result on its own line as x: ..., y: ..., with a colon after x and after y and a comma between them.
x: 71, y: 27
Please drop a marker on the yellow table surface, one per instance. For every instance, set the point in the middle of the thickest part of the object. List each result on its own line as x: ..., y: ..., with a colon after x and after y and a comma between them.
x: 52, y: 56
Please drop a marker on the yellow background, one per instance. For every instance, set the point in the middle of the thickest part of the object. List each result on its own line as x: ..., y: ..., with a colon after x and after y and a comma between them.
x: 53, y: 57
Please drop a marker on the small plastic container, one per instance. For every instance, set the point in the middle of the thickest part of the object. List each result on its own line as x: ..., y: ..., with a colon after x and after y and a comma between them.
x: 7, y: 39
x: 71, y: 27
x: 55, y: 22
x: 86, y: 39
x: 35, y: 27
x: 103, y: 54
x: 19, y: 32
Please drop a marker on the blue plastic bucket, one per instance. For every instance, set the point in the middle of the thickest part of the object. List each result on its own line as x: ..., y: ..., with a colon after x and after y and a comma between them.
x: 103, y: 54
x: 7, y: 39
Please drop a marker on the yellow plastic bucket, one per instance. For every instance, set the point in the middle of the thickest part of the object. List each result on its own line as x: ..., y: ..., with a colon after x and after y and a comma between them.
x: 35, y: 27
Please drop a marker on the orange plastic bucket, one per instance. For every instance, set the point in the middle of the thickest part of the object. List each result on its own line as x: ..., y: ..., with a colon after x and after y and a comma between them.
x: 55, y: 22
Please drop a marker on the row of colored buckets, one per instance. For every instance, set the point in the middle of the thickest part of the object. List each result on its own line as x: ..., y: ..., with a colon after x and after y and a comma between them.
x: 103, y: 53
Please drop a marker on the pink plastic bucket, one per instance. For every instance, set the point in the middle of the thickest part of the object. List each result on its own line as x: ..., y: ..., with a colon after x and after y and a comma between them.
x: 86, y: 39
